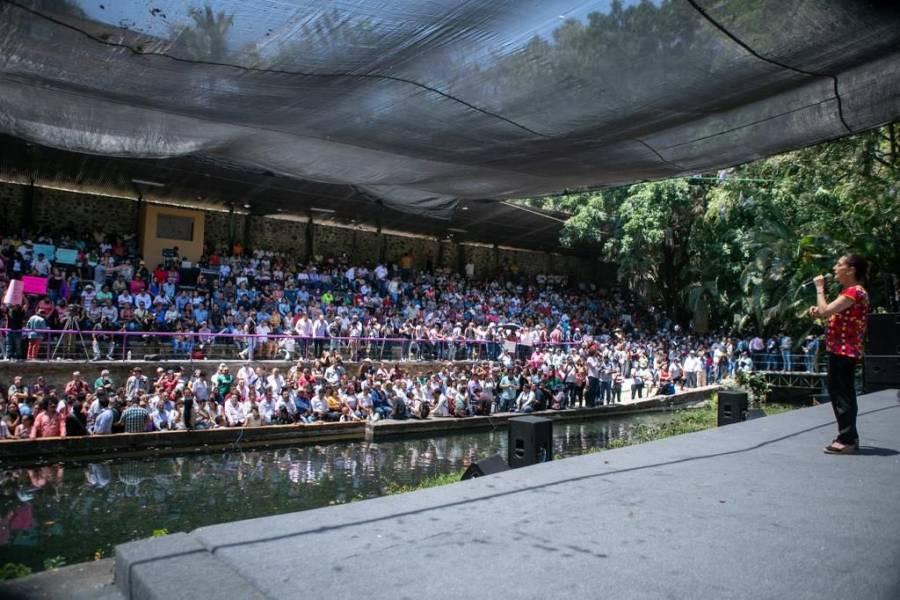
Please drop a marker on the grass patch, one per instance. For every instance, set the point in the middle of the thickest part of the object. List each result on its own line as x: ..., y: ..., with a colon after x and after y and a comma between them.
x: 12, y: 570
x: 429, y: 482
x: 774, y: 409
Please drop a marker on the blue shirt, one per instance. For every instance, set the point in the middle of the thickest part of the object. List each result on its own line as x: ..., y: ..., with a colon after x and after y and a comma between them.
x: 103, y: 424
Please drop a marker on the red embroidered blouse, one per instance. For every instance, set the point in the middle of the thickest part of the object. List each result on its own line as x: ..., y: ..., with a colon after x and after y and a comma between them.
x: 847, y: 328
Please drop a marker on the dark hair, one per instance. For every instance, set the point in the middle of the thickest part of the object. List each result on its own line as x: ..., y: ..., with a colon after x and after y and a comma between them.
x: 860, y: 266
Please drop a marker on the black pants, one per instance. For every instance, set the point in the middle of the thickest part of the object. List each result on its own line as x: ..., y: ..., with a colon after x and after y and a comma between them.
x: 590, y: 396
x: 842, y: 390
x: 187, y: 412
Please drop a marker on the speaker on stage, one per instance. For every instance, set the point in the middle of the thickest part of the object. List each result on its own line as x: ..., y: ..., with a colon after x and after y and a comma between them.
x: 731, y: 407
x: 881, y: 372
x: 883, y: 334
x: 530, y: 441
x: 485, y: 466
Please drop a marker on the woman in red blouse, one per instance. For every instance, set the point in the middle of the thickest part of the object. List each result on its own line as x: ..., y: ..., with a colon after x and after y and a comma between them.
x: 844, y: 344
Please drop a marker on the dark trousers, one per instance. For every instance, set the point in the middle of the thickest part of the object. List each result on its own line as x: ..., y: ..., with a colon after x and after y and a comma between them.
x: 590, y: 396
x: 605, y: 392
x: 14, y: 345
x: 571, y: 394
x: 690, y: 379
x: 842, y: 390
x: 186, y: 412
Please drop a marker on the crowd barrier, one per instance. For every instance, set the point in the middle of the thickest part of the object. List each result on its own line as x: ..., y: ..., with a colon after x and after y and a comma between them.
x: 73, y: 344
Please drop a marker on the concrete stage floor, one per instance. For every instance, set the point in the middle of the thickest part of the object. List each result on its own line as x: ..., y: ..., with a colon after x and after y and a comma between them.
x: 752, y: 510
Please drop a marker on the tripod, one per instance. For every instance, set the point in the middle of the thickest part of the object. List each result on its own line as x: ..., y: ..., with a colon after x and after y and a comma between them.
x: 71, y: 324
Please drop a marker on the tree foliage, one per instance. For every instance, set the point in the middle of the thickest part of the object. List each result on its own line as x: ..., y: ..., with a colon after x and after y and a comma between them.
x: 736, y: 248
x: 206, y: 38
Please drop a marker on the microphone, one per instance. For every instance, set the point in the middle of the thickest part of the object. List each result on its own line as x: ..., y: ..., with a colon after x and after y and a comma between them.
x: 828, y: 277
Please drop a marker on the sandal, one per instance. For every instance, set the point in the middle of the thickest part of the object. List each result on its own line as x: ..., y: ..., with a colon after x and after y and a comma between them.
x: 839, y: 448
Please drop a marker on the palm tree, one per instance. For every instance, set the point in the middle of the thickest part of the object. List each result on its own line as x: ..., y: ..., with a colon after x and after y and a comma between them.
x: 207, y: 37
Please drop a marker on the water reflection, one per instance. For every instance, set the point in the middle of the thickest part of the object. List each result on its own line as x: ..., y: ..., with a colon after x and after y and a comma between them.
x: 76, y: 510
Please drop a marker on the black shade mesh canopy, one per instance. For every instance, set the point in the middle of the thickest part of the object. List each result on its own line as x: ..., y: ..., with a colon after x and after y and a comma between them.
x: 420, y: 105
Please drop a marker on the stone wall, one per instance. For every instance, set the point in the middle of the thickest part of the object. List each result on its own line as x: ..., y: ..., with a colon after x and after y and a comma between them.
x: 483, y: 258
x: 421, y: 249
x: 11, y: 198
x: 365, y: 246
x: 279, y: 235
x: 216, y: 228
x: 58, y: 210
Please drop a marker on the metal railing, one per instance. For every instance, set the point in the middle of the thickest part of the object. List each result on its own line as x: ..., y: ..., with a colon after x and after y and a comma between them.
x: 789, y: 362
x: 73, y: 344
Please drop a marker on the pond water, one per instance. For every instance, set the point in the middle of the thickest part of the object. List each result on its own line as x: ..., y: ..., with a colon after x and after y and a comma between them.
x: 78, y: 511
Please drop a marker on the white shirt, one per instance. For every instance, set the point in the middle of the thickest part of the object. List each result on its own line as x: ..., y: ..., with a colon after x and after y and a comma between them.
x: 304, y: 327
x: 525, y: 399
x: 234, y: 415
x: 276, y: 382
x: 441, y: 409
x: 266, y: 410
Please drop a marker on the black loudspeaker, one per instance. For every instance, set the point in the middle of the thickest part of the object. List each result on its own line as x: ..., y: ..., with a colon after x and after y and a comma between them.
x: 881, y: 372
x: 883, y: 334
x: 188, y: 277
x: 530, y: 441
x: 485, y: 466
x: 731, y: 407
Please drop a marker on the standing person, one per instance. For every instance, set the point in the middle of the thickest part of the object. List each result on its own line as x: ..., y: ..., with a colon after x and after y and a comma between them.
x: 135, y: 418
x: 138, y: 382
x: 35, y: 326
x: 76, y: 421
x: 48, y: 422
x: 691, y: 369
x: 785, y: 344
x: 593, y: 379
x: 103, y: 424
x: 844, y: 344
x: 618, y: 380
x: 606, y: 380
x: 15, y: 323
x: 810, y: 351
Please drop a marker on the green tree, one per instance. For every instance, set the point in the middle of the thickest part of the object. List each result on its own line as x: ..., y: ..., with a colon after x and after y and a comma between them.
x: 653, y: 246
x: 207, y: 37
x: 736, y: 250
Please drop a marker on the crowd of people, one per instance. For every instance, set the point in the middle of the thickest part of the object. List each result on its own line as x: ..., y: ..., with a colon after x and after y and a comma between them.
x: 327, y: 391
x: 607, y: 370
x: 266, y: 305
x: 511, y: 343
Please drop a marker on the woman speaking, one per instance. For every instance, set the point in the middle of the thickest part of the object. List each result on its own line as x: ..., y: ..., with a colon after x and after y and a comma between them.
x: 846, y: 316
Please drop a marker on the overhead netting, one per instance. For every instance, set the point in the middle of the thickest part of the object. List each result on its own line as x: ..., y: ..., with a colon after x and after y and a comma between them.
x: 422, y: 103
